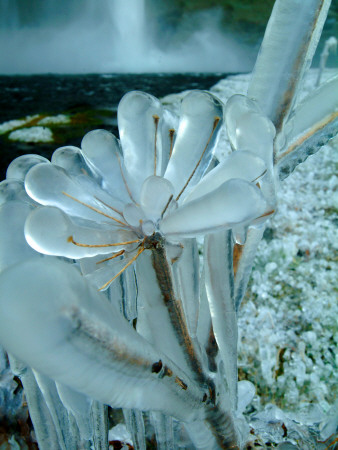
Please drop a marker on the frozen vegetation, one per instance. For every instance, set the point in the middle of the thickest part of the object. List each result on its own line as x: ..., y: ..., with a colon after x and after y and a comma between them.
x: 134, y: 256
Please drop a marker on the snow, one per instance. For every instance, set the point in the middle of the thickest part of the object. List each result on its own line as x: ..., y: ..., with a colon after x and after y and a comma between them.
x: 12, y: 124
x: 32, y: 134
x: 59, y: 119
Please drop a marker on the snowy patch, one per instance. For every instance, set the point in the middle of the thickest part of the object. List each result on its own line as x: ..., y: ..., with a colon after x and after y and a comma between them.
x: 12, y: 124
x: 33, y: 134
x: 55, y: 120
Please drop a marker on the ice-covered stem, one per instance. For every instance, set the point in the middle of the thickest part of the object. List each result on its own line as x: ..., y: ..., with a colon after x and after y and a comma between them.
x: 174, y: 305
x: 288, y: 46
x: 220, y: 422
x: 219, y: 281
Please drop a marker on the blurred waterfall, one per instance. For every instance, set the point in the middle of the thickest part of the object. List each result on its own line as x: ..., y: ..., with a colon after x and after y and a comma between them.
x: 88, y: 36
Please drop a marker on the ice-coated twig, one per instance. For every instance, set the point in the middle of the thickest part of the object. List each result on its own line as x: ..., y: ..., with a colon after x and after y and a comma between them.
x: 289, y: 43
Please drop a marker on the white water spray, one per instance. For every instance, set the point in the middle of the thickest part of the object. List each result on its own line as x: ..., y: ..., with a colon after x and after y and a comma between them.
x: 110, y: 36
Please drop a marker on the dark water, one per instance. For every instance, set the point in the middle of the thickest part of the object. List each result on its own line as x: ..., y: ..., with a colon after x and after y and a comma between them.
x: 79, y: 94
x: 22, y: 95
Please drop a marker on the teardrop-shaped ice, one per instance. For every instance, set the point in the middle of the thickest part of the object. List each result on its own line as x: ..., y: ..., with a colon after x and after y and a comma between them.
x: 156, y: 193
x: 255, y: 132
x: 239, y: 164
x: 169, y: 133
x: 13, y: 190
x: 235, y: 201
x: 102, y: 151
x: 133, y: 214
x: 200, y: 122
x: 139, y: 120
x: 51, y: 185
x: 236, y: 106
x: 148, y: 227
x: 20, y: 166
x: 50, y: 231
x: 71, y: 159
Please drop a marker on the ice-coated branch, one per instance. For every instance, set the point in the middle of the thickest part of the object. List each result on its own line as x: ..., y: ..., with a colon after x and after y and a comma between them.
x: 311, y: 125
x: 289, y: 43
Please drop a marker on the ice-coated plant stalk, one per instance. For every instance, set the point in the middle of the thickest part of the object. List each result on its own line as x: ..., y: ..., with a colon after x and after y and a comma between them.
x: 111, y: 308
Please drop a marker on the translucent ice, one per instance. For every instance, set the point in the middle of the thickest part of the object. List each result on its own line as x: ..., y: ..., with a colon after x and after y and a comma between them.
x: 235, y: 201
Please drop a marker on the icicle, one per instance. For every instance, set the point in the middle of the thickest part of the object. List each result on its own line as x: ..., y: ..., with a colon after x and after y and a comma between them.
x: 57, y: 410
x: 220, y: 292
x: 43, y: 424
x: 100, y: 425
x: 246, y: 258
x: 135, y: 426
x: 79, y: 406
x: 164, y: 432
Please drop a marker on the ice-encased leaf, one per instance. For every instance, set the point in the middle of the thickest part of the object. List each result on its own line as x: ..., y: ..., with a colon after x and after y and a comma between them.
x: 13, y: 245
x: 201, y: 119
x: 155, y: 195
x: 71, y: 159
x: 235, y: 107
x: 219, y: 281
x: 20, y: 166
x: 235, y: 201
x: 50, y: 231
x: 61, y: 326
x: 139, y: 117
x: 169, y: 133
x: 311, y: 125
x: 248, y: 128
x: 51, y: 185
x: 133, y: 214
x: 101, y: 150
x: 290, y: 40
x: 239, y: 164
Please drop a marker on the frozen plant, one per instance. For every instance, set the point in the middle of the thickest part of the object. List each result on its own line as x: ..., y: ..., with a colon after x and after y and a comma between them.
x: 102, y: 299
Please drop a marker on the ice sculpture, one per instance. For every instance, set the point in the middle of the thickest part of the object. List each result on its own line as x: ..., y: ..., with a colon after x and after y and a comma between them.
x: 102, y: 301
